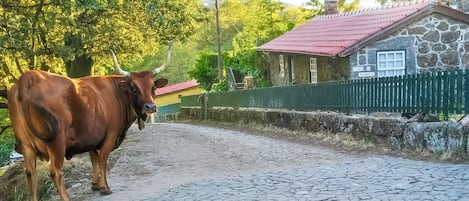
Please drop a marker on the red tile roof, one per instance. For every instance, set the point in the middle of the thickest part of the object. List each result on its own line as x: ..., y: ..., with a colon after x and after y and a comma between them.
x: 176, y: 87
x: 331, y: 35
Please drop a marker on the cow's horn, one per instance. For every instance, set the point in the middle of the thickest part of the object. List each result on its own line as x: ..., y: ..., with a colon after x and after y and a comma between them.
x: 162, y: 67
x: 117, y: 67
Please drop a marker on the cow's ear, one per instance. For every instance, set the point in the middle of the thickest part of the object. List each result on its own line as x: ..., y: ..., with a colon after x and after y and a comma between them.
x: 161, y: 82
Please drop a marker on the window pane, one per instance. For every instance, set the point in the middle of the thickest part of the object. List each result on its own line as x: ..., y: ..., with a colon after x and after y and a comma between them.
x: 399, y: 56
x: 399, y: 64
x: 382, y: 64
x: 389, y: 64
x: 381, y: 56
x: 390, y: 56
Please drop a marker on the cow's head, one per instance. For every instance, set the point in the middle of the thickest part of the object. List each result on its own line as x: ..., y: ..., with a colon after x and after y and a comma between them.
x: 141, y: 87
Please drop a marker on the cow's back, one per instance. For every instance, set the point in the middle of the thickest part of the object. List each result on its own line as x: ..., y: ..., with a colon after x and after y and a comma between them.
x: 38, y: 105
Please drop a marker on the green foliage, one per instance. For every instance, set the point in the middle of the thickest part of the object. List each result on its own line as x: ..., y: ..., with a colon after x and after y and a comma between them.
x: 220, y: 86
x: 385, y: 1
x: 248, y: 62
x: 316, y: 7
x: 7, y: 140
x: 205, y: 70
x: 183, y: 57
x: 48, y: 35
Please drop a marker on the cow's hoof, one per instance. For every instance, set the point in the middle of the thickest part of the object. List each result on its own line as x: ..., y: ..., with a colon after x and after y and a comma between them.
x: 106, y: 192
x: 95, y: 187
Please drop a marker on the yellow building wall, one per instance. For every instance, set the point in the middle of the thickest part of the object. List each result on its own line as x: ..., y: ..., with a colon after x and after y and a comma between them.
x: 172, y: 98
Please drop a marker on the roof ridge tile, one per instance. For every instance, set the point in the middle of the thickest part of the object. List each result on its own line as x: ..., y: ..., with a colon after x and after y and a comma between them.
x: 383, y: 7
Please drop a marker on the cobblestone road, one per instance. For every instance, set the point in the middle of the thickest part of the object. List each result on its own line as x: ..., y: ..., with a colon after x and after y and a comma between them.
x: 185, y: 162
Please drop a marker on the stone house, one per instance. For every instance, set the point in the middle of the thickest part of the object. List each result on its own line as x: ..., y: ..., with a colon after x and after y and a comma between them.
x: 393, y: 39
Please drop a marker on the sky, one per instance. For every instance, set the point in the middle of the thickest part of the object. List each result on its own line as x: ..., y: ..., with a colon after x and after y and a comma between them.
x: 363, y: 3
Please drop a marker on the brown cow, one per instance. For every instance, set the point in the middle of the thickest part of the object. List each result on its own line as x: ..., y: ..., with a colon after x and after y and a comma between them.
x: 54, y: 117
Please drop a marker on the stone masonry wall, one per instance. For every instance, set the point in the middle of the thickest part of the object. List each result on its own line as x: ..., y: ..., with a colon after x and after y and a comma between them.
x: 393, y: 132
x: 433, y: 43
x: 441, y: 43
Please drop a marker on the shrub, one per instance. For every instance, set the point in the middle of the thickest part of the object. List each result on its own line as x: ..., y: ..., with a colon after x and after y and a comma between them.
x: 7, y: 140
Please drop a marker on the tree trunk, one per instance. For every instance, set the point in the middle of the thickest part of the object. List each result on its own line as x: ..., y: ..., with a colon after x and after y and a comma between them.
x: 81, y: 65
x: 3, y: 93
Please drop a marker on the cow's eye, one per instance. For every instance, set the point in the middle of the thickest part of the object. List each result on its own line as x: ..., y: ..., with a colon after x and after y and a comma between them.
x: 134, y: 90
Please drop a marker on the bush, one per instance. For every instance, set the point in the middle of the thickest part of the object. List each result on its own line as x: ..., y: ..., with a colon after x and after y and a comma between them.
x: 205, y: 70
x: 249, y: 62
x: 7, y: 139
x: 220, y: 86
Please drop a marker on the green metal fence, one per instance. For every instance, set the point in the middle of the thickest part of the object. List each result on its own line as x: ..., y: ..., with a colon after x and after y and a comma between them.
x: 168, y: 109
x: 437, y: 92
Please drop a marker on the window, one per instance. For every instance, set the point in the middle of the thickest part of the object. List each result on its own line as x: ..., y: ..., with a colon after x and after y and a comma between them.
x: 391, y: 63
x: 281, y: 63
x: 313, y: 69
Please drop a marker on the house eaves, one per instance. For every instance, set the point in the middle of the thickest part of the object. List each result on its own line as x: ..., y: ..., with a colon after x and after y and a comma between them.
x: 431, y: 9
x: 342, y: 34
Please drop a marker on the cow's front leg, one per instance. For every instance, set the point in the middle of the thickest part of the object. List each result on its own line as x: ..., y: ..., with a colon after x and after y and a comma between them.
x: 94, y: 157
x: 103, y: 186
x: 103, y: 156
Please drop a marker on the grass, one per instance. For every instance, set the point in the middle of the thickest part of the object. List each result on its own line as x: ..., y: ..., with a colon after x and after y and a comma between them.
x: 13, y: 185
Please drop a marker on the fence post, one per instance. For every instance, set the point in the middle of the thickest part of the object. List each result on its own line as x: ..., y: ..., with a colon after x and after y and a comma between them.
x: 466, y: 94
x: 203, y: 100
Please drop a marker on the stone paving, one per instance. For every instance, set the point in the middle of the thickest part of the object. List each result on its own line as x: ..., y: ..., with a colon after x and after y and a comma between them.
x: 373, y: 178
x: 185, y: 162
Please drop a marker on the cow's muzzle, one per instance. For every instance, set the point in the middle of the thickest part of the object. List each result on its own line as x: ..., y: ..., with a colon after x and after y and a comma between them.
x: 149, y: 108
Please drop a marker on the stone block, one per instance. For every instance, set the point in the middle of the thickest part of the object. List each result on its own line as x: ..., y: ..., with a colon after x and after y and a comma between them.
x: 413, y: 136
x: 388, y: 127
x: 432, y: 36
x: 435, y: 136
x: 455, y: 143
x: 427, y: 60
x: 449, y: 37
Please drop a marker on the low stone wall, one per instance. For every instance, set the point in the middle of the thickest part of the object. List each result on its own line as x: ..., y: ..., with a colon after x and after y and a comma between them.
x: 394, y: 132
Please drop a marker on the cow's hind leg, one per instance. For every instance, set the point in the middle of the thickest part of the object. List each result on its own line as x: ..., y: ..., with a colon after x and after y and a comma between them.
x: 31, y: 173
x: 56, y: 172
x: 57, y: 156
x: 94, y: 156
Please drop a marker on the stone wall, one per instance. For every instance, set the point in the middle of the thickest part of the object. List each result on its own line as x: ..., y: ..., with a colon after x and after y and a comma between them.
x: 441, y: 43
x: 433, y: 43
x: 393, y: 132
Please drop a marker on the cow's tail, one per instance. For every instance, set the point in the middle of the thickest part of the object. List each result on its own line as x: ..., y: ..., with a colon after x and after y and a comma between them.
x: 40, y: 120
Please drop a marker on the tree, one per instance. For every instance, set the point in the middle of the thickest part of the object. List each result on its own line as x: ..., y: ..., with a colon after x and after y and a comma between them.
x: 386, y: 1
x: 77, y: 34
x: 316, y: 7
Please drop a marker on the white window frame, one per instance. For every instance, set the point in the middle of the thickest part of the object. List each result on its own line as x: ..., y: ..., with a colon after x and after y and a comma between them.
x: 281, y: 63
x: 390, y: 63
x: 313, y: 69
